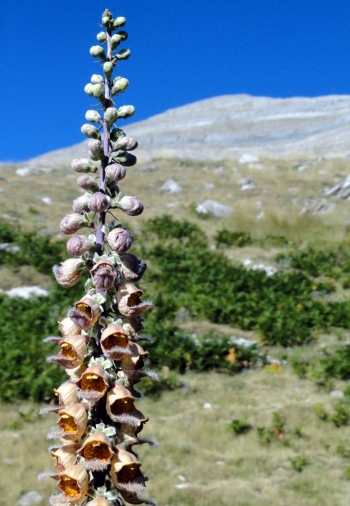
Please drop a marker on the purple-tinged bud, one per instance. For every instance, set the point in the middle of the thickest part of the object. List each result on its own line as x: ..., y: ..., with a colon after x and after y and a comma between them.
x: 78, y: 245
x: 71, y: 223
x: 132, y: 268
x: 99, y: 202
x: 83, y: 165
x: 118, y: 22
x: 80, y: 204
x: 129, y: 302
x: 85, y: 313
x: 103, y: 275
x: 131, y: 205
x: 97, y: 79
x: 96, y: 148
x: 126, y: 111
x: 125, y: 144
x: 102, y: 37
x: 119, y: 85
x: 111, y: 115
x: 125, y: 158
x: 98, y: 52
x: 87, y: 182
x: 93, y: 116
x: 68, y: 273
x: 124, y: 54
x: 119, y: 240
x: 115, y: 172
x: 90, y: 131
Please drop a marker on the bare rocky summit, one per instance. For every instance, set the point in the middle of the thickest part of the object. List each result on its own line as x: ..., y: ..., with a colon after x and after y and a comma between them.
x: 232, y: 126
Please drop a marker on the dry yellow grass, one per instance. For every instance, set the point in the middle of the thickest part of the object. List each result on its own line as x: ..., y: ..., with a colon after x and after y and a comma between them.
x: 197, y: 447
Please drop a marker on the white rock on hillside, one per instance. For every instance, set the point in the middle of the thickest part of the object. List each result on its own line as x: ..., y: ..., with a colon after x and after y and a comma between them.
x: 170, y: 187
x: 215, y: 208
x: 26, y: 292
x: 247, y: 158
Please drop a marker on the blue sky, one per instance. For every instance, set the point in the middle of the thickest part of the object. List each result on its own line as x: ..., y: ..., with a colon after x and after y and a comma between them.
x: 182, y: 51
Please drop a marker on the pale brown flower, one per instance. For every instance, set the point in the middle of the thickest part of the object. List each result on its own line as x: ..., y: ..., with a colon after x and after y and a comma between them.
x: 129, y: 302
x: 93, y: 383
x: 74, y: 484
x: 68, y: 273
x: 120, y: 407
x: 96, y: 452
x: 125, y: 472
x: 67, y: 327
x: 73, y: 420
x: 114, y: 342
x: 67, y: 394
x: 65, y: 455
x: 73, y: 351
x: 85, y: 313
x: 132, y: 268
x: 103, y: 275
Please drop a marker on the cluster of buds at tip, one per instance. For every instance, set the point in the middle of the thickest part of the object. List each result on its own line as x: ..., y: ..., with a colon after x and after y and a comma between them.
x: 98, y: 422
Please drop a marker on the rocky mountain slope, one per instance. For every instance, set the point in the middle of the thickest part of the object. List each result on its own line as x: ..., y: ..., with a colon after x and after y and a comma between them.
x: 227, y: 127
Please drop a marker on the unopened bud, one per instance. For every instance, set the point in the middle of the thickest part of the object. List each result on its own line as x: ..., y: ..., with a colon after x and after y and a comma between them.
x: 118, y: 22
x: 99, y: 202
x: 106, y: 21
x: 119, y: 85
x: 98, y: 91
x: 119, y: 240
x: 126, y: 159
x: 83, y: 165
x: 108, y: 69
x: 126, y: 111
x: 111, y: 115
x: 87, y: 182
x: 80, y: 204
x: 116, y: 134
x: 90, y: 131
x: 115, y: 40
x: 123, y: 34
x: 96, y: 148
x: 68, y: 273
x: 89, y: 89
x: 102, y: 37
x: 103, y: 275
x: 78, y: 245
x: 132, y: 268
x: 115, y: 172
x: 93, y: 116
x: 131, y: 205
x: 98, y: 52
x: 124, y: 54
x: 96, y: 79
x: 71, y: 223
x: 125, y: 144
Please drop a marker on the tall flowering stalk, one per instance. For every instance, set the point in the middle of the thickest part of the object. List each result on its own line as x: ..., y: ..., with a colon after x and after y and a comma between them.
x: 98, y: 423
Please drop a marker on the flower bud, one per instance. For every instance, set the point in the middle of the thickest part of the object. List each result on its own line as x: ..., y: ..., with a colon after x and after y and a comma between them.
x: 129, y: 302
x: 96, y: 148
x: 74, y: 484
x: 78, y: 245
x: 89, y: 89
x: 93, y: 116
x: 132, y: 268
x: 96, y: 452
x: 100, y: 500
x: 73, y: 351
x: 102, y: 37
x: 106, y: 21
x: 68, y: 273
x: 123, y: 34
x: 67, y: 394
x: 103, y: 275
x: 98, y: 52
x: 67, y: 327
x: 71, y: 223
x: 115, y: 172
x: 83, y: 165
x: 114, y: 342
x: 115, y: 40
x: 80, y: 204
x: 99, y: 202
x: 90, y: 131
x: 119, y: 240
x: 119, y: 85
x: 65, y: 455
x: 118, y: 22
x: 125, y: 144
x: 131, y: 205
x: 125, y: 472
x: 131, y: 363
x: 126, y: 111
x: 108, y: 69
x: 93, y: 383
x: 87, y: 182
x: 85, y: 313
x: 125, y: 158
x: 111, y: 115
x: 97, y: 79
x: 75, y: 374
x: 124, y: 54
x: 98, y: 91
x: 73, y: 421
x: 132, y: 326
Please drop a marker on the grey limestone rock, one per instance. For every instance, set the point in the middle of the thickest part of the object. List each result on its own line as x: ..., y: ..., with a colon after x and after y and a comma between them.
x: 214, y: 208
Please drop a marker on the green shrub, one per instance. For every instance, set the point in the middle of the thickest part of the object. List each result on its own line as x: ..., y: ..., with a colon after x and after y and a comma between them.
x: 341, y: 416
x: 225, y: 237
x: 240, y: 427
x: 299, y: 462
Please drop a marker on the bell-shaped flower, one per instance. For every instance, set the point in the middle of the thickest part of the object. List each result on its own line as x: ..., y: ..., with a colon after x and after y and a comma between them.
x: 65, y: 455
x: 93, y: 383
x: 132, y: 268
x: 67, y: 394
x: 114, y: 342
x: 73, y: 351
x: 131, y: 368
x: 85, y: 313
x: 67, y: 327
x: 74, y: 485
x: 68, y: 273
x: 125, y: 472
x: 103, y: 275
x: 75, y: 374
x: 119, y: 240
x: 73, y: 420
x: 120, y: 407
x: 96, y: 452
x: 129, y: 302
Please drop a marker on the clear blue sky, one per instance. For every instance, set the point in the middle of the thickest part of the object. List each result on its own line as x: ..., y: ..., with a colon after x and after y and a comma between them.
x: 182, y: 51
